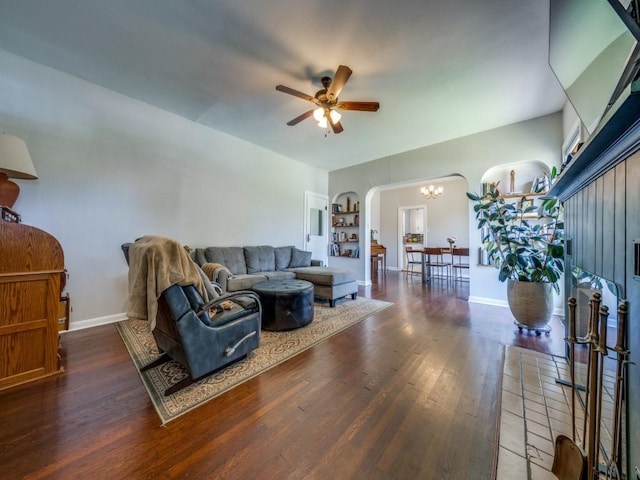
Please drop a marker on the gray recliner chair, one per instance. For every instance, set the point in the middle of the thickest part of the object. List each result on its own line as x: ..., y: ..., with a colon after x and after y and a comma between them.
x: 204, y: 337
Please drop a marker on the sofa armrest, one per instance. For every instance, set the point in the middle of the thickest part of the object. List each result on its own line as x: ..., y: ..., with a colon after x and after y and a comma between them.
x: 222, y: 279
x: 317, y: 263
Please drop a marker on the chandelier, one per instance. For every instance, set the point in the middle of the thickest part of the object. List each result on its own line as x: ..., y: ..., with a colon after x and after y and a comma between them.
x: 431, y: 191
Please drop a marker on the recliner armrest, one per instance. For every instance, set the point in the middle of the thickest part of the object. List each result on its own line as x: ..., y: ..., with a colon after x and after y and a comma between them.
x: 235, y: 297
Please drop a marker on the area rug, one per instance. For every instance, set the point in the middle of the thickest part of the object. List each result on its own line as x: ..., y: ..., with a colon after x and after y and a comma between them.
x: 275, y: 348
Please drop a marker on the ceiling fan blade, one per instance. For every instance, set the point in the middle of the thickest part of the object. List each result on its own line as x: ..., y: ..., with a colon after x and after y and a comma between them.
x: 299, y: 118
x: 295, y: 93
x: 361, y: 106
x: 336, y: 126
x: 339, y: 79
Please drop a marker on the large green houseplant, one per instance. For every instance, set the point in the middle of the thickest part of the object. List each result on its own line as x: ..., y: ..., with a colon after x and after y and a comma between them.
x: 525, y: 243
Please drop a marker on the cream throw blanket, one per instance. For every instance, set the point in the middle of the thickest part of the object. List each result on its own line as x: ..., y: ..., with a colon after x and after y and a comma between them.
x: 156, y: 263
x: 212, y: 270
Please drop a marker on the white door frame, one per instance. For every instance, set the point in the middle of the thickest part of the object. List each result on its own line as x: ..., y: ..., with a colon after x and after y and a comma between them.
x: 311, y: 198
x: 401, y: 210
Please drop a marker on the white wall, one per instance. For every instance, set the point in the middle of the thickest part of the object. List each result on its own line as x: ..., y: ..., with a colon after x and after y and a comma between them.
x: 539, y: 139
x: 112, y: 169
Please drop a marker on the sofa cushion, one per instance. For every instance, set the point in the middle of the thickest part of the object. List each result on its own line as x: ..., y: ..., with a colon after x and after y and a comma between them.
x: 283, y: 256
x: 260, y: 259
x: 279, y: 275
x: 300, y: 258
x: 244, y: 282
x: 230, y: 257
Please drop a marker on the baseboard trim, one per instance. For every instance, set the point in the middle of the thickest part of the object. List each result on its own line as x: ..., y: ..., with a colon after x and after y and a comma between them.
x: 559, y: 312
x: 118, y: 317
x: 95, y: 322
x: 489, y: 301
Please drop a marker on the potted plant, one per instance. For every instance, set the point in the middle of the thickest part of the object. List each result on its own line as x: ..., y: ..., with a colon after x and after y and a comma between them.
x: 525, y: 243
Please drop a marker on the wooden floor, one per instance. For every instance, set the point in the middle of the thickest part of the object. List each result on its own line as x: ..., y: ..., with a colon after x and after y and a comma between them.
x: 409, y: 393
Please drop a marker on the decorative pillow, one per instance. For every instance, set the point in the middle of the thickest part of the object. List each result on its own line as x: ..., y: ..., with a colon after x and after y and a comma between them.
x: 283, y: 256
x: 300, y: 258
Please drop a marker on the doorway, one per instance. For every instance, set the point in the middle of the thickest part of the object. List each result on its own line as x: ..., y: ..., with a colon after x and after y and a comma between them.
x: 316, y: 231
x: 412, y: 222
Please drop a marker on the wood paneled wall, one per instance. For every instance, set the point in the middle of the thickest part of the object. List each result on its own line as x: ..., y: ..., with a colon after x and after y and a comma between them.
x: 595, y: 225
x: 602, y: 221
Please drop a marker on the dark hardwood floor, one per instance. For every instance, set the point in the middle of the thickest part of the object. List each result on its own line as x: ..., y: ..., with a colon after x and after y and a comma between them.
x: 409, y: 393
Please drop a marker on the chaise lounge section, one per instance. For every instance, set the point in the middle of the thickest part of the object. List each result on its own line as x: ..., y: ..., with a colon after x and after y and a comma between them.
x: 239, y: 268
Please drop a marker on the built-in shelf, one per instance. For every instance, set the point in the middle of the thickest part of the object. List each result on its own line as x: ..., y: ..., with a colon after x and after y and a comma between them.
x: 523, y: 195
x: 345, y: 222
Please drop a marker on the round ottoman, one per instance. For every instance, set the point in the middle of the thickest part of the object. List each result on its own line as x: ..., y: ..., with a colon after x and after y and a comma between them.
x: 286, y: 304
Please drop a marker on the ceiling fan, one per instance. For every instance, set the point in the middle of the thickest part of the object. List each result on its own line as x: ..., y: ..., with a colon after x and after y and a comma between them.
x: 327, y: 103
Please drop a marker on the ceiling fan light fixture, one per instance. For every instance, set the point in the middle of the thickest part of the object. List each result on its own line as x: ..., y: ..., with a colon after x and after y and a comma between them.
x: 335, y: 116
x: 326, y: 101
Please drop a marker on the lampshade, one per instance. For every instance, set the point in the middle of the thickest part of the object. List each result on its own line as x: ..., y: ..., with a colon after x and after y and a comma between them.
x: 15, y: 162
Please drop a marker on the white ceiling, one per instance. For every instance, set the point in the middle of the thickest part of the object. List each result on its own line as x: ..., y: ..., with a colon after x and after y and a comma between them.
x: 440, y: 69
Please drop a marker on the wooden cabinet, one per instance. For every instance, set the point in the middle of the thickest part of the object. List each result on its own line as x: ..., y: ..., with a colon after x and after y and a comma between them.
x: 32, y: 277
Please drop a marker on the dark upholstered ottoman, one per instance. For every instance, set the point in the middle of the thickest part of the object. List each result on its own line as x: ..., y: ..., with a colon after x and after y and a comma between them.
x: 286, y: 304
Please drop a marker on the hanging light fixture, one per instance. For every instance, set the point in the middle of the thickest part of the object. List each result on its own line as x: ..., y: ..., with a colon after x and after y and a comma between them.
x: 335, y: 116
x: 431, y: 191
x: 321, y: 116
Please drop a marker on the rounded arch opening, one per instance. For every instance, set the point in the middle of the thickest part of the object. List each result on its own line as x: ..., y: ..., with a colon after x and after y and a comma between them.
x: 444, y: 216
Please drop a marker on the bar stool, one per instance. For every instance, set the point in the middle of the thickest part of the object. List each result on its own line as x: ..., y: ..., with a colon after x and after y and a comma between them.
x: 413, y: 258
x: 460, y: 261
x: 434, y: 261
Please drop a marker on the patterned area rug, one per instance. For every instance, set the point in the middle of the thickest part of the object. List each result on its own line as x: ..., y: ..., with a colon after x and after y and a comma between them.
x: 275, y: 348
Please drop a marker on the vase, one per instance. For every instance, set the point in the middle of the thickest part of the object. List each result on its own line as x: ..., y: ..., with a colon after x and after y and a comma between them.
x: 531, y: 303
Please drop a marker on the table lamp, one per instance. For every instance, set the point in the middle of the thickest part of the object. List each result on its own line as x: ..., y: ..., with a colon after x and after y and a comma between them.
x: 15, y: 162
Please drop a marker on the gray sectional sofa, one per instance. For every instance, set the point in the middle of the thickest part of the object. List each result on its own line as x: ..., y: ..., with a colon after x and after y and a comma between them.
x: 239, y: 268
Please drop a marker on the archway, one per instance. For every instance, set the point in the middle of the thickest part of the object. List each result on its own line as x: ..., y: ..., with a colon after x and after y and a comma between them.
x: 447, y: 215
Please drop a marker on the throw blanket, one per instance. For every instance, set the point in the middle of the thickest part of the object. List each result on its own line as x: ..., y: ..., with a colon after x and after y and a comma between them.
x: 156, y: 263
x: 212, y: 270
